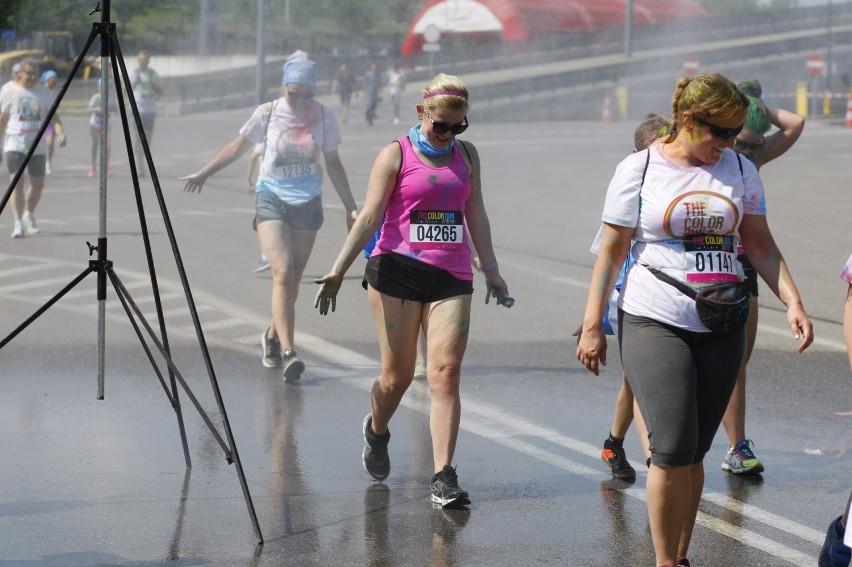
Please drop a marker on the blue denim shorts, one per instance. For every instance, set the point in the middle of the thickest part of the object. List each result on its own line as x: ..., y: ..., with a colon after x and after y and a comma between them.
x: 268, y: 206
x: 35, y: 167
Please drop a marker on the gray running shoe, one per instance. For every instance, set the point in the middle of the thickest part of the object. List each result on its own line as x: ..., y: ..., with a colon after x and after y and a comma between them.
x: 271, y: 351
x: 375, y: 456
x: 18, y: 230
x: 262, y: 266
x: 740, y: 459
x: 446, y: 491
x: 293, y: 367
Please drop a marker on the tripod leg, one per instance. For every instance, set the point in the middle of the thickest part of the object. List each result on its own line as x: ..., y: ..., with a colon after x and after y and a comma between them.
x: 187, y: 292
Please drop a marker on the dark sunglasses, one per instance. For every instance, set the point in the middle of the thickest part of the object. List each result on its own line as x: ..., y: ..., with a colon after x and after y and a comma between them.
x: 443, y: 127
x: 299, y: 95
x: 742, y: 145
x: 718, y: 131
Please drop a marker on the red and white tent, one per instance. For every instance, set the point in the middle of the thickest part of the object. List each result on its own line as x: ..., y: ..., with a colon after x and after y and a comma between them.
x: 522, y: 20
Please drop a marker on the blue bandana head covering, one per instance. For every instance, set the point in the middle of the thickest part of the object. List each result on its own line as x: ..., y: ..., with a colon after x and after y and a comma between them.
x: 47, y: 75
x: 300, y: 70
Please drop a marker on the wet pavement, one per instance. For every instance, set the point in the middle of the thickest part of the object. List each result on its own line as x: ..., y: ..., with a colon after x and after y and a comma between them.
x: 88, y: 482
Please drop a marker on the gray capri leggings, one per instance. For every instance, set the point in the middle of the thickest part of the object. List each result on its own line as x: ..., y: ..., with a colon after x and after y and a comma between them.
x: 682, y: 381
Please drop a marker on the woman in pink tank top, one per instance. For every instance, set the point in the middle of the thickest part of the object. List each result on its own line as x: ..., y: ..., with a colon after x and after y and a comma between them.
x: 423, y: 191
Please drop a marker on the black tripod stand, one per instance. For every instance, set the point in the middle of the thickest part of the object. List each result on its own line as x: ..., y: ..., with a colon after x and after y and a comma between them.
x: 110, y: 54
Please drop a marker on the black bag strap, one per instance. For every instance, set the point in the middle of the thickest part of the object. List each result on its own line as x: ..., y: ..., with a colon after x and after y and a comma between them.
x: 664, y: 277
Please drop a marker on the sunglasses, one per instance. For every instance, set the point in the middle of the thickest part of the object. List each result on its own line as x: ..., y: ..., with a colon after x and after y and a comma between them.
x: 299, y: 95
x: 443, y: 127
x: 718, y: 131
x: 742, y: 145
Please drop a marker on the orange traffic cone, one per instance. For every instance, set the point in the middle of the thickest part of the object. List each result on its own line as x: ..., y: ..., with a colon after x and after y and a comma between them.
x: 849, y: 110
x: 606, y: 112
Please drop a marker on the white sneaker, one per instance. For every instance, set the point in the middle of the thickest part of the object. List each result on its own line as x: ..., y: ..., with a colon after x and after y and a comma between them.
x: 29, y: 223
x: 262, y: 266
x: 47, y: 169
x: 18, y: 231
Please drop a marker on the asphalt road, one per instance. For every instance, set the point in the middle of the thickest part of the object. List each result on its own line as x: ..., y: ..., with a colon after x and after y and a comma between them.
x: 89, y: 482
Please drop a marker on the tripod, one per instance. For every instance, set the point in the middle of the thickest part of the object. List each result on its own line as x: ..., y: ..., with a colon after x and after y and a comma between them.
x: 110, y: 57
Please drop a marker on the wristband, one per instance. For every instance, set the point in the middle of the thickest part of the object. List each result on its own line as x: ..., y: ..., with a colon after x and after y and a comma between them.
x: 489, y: 267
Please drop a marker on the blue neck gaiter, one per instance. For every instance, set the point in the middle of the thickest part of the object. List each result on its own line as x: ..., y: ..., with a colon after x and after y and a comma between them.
x: 425, y: 146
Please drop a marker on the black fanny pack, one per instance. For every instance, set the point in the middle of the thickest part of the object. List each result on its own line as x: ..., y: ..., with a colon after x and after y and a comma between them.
x: 722, y: 307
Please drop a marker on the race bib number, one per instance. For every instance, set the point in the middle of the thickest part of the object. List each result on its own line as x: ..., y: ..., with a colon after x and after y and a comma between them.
x: 436, y: 230
x: 711, y: 259
x: 297, y: 170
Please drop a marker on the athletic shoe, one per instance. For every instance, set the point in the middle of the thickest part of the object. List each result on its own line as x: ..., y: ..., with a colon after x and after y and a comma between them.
x: 420, y: 371
x: 616, y: 458
x: 47, y: 169
x: 375, y: 455
x: 741, y: 460
x: 271, y: 351
x: 833, y: 552
x: 683, y: 562
x: 446, y: 491
x: 29, y: 223
x: 293, y: 367
x: 262, y: 266
x: 18, y: 231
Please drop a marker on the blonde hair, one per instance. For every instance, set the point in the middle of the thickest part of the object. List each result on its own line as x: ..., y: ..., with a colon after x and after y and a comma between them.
x: 445, y: 91
x: 706, y: 94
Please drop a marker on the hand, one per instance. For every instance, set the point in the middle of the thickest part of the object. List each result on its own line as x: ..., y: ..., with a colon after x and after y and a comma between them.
x: 327, y: 294
x: 801, y: 326
x: 477, y: 263
x: 591, y: 349
x: 193, y: 182
x: 496, y: 287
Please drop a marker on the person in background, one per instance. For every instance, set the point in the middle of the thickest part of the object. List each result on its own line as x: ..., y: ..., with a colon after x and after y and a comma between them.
x: 396, y: 84
x: 423, y: 190
x: 344, y: 84
x: 296, y: 129
x: 691, y: 186
x: 95, y: 125
x: 759, y: 148
x: 147, y: 88
x: 23, y: 107
x: 372, y: 91
x: 55, y: 131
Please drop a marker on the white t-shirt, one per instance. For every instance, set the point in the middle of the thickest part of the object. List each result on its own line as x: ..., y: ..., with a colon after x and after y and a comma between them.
x: 291, y: 163
x: 26, y: 109
x: 686, y: 221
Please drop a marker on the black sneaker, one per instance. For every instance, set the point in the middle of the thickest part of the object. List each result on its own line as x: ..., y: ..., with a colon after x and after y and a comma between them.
x: 293, y: 366
x: 375, y: 456
x: 446, y: 491
x: 615, y: 457
x: 271, y: 350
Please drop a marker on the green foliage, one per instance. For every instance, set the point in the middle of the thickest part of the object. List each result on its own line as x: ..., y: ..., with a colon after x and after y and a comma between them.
x: 170, y: 26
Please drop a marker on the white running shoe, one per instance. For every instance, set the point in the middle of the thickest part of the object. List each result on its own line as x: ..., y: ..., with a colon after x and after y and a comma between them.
x: 18, y: 231
x: 29, y: 223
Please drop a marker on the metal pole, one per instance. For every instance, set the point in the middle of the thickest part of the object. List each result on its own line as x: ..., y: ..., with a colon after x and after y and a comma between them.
x: 830, y: 45
x: 261, y: 51
x: 628, y: 28
x: 102, y: 205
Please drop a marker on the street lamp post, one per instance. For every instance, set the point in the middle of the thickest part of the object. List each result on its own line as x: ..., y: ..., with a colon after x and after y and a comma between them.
x: 261, y: 52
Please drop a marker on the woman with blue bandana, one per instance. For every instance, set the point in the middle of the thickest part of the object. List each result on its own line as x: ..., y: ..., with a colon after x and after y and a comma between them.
x: 426, y: 186
x: 297, y: 130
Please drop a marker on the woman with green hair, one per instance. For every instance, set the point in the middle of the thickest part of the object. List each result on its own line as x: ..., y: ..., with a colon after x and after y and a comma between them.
x: 753, y: 143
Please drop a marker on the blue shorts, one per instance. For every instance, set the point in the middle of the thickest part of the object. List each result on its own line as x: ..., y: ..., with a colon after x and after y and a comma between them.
x: 35, y: 167
x: 268, y: 207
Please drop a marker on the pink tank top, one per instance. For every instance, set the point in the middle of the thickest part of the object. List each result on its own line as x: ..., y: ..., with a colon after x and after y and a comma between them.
x: 424, y: 218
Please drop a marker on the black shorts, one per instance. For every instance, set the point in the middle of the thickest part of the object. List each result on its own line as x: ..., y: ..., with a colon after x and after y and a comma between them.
x: 412, y: 280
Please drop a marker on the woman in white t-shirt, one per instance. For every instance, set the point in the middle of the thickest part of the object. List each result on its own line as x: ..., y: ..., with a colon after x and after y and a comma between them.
x: 683, y: 202
x: 297, y: 130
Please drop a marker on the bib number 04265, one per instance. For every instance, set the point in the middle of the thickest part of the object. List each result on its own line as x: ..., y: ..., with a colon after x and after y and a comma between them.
x: 436, y: 229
